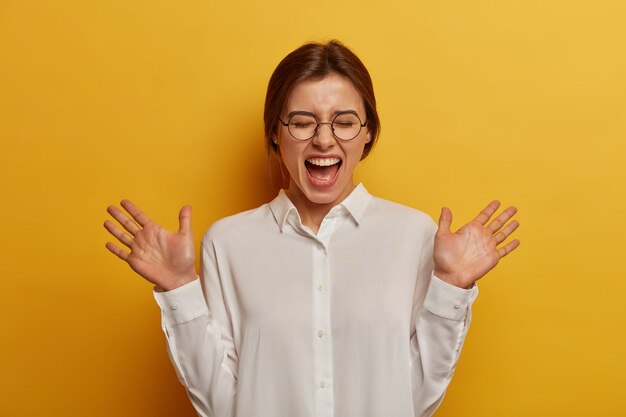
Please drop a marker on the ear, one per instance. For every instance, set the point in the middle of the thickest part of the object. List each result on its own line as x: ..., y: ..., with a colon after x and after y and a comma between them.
x: 368, y: 137
x: 274, y: 135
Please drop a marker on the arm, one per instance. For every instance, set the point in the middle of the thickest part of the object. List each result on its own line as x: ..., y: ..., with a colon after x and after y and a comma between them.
x: 441, y: 322
x: 199, y: 342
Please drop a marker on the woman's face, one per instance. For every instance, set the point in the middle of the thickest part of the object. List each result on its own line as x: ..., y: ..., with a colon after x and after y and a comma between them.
x: 321, y: 168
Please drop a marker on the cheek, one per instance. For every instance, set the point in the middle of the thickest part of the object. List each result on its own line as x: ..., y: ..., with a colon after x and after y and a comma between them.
x: 357, y: 152
x: 290, y: 156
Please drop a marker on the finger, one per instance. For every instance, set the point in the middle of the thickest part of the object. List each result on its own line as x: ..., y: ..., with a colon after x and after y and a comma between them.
x: 119, y: 235
x: 499, y: 221
x: 445, y: 220
x: 508, y: 248
x: 130, y: 226
x: 117, y: 251
x: 484, y: 216
x: 184, y: 220
x: 140, y: 217
x: 504, y: 233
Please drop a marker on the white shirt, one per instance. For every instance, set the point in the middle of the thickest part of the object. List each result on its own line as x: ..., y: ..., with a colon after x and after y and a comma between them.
x: 346, y: 323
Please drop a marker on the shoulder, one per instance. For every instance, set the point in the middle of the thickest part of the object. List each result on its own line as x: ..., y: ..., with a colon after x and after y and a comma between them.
x: 398, y: 216
x: 244, y: 223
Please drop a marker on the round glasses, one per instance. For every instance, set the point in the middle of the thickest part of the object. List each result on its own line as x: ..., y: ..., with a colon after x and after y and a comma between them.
x: 303, y: 125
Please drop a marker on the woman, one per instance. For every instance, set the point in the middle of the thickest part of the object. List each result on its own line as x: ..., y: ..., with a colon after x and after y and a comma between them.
x: 326, y: 301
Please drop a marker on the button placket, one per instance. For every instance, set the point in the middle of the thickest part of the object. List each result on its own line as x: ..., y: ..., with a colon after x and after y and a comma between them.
x: 321, y: 326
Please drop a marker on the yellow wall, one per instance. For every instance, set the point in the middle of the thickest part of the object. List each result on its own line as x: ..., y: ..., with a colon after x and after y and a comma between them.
x: 161, y: 102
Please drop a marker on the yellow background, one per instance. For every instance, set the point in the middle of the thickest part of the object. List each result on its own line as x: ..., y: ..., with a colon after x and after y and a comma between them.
x: 161, y: 102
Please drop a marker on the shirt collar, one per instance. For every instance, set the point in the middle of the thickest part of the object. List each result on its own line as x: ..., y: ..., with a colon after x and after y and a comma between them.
x: 355, y: 204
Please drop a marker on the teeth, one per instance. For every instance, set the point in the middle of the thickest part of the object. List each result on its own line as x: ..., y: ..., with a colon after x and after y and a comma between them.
x: 323, y: 162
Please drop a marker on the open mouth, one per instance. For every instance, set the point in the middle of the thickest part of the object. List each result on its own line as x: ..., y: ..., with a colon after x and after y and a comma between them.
x: 323, y: 171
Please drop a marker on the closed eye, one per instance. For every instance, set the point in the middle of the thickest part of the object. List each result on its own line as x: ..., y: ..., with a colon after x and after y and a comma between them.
x: 301, y: 125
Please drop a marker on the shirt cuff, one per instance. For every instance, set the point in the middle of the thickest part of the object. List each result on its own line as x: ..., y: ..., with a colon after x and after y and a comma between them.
x: 182, y: 304
x: 447, y: 301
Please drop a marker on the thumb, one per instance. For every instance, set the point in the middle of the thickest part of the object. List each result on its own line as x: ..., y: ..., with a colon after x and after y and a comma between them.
x: 184, y: 219
x: 445, y: 220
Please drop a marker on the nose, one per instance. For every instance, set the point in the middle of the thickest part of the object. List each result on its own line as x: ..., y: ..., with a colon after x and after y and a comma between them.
x: 324, y: 137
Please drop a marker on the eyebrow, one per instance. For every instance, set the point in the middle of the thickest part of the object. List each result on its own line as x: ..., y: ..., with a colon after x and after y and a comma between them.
x: 315, y: 115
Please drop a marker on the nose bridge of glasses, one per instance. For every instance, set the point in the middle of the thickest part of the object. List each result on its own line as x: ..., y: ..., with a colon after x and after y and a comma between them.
x: 318, y: 135
x: 330, y: 124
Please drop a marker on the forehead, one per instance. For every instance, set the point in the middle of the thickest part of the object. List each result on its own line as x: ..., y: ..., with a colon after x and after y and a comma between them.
x: 334, y: 92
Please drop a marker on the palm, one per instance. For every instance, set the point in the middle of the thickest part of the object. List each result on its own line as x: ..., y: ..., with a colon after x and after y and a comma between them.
x: 463, y: 257
x: 157, y: 252
x: 162, y: 257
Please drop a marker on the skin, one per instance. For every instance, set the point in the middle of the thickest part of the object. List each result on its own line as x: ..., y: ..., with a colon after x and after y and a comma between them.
x: 323, y: 98
x: 167, y: 259
x: 162, y: 257
x: 463, y: 257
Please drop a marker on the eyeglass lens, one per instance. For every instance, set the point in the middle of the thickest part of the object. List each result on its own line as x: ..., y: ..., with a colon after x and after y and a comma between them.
x: 345, y: 126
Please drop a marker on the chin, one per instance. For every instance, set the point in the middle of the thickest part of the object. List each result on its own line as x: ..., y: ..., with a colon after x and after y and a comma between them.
x: 324, y: 195
x: 322, y: 198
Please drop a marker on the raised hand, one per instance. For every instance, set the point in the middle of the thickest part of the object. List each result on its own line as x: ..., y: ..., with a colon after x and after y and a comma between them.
x: 164, y: 258
x: 463, y: 257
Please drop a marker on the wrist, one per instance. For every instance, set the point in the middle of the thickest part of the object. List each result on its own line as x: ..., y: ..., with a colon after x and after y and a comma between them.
x: 453, y: 279
x: 178, y: 282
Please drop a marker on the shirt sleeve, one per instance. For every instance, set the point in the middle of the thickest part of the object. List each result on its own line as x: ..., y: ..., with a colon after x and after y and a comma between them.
x: 199, y: 341
x: 441, y: 324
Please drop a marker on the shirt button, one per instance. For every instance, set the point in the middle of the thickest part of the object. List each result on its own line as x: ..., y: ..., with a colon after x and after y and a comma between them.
x: 320, y: 333
x: 174, y: 306
x: 457, y: 305
x: 320, y: 287
x: 322, y: 383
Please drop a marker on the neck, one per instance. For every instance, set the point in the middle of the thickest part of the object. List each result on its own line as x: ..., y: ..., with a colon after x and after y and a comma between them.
x: 312, y: 214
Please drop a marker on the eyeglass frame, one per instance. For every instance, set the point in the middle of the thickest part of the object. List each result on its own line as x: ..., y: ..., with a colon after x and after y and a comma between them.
x: 316, y: 131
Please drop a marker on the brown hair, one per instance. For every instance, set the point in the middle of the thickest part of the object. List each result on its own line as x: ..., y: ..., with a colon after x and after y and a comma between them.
x: 311, y: 61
